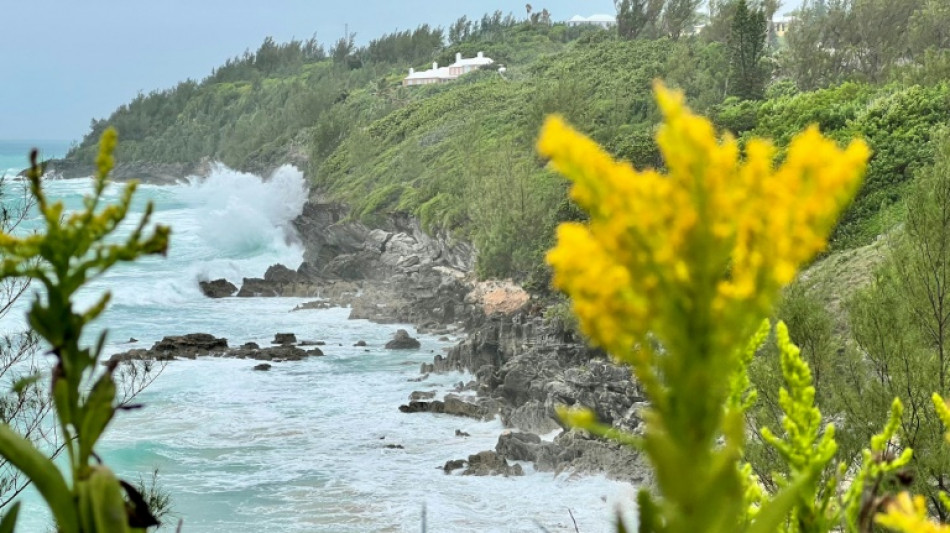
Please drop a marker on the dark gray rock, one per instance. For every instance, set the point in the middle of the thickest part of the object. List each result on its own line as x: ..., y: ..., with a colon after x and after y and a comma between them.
x: 518, y: 446
x: 451, y: 466
x: 262, y: 366
x: 280, y: 274
x: 360, y: 343
x: 202, y: 344
x: 254, y: 287
x: 489, y: 463
x: 219, y: 288
x: 284, y: 338
x: 421, y: 407
x: 190, y: 346
x: 402, y: 341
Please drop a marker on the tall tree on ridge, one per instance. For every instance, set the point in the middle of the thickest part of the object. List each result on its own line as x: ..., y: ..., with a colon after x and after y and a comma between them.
x: 678, y: 17
x: 638, y: 18
x: 747, y: 73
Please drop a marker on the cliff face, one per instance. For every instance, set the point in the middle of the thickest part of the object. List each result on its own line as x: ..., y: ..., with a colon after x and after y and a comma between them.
x: 392, y: 273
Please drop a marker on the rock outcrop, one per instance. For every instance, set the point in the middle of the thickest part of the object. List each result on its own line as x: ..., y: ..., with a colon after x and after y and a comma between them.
x: 480, y: 408
x: 402, y: 341
x: 487, y: 463
x: 393, y: 273
x: 196, y: 345
x: 527, y: 366
x: 219, y: 288
x: 284, y: 339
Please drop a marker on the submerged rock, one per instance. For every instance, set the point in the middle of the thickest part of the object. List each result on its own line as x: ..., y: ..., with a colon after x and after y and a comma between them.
x: 262, y: 366
x: 402, y: 341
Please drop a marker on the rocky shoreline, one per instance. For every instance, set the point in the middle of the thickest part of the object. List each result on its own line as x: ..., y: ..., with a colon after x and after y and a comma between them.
x: 523, y: 365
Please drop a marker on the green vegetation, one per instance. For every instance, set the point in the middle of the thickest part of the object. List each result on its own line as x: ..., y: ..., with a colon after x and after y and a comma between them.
x: 458, y: 155
x: 72, y: 249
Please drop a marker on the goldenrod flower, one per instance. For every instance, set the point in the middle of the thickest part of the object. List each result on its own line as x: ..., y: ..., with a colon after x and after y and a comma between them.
x: 716, y: 236
x: 909, y: 515
x: 693, y: 259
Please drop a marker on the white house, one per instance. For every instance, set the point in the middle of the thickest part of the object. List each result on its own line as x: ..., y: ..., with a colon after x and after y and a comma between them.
x: 439, y: 74
x: 604, y: 21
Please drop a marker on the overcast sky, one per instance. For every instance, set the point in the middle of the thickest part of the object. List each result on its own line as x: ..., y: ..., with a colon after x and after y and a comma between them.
x: 64, y: 62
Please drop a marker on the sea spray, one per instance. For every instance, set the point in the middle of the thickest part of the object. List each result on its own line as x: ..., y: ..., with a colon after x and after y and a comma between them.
x: 242, y: 214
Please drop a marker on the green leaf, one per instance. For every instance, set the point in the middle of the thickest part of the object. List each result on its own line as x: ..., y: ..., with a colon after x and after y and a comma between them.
x: 108, y: 506
x: 97, y: 414
x: 44, y: 475
x: 9, y: 520
x: 61, y: 400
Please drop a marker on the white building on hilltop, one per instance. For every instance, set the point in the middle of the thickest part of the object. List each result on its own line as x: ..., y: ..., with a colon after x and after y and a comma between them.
x: 439, y: 74
x: 604, y: 21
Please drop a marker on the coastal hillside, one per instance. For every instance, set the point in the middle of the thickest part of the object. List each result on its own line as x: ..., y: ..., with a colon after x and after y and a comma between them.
x: 769, y: 323
x: 460, y: 157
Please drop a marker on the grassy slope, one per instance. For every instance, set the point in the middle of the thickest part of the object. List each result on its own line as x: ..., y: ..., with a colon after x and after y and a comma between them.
x: 460, y: 156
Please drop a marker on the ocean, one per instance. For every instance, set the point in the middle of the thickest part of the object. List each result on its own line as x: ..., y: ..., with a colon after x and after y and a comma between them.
x: 300, y: 448
x: 14, y: 155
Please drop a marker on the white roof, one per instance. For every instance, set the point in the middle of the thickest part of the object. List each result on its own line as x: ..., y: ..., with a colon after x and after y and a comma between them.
x: 473, y: 62
x: 594, y: 18
x: 445, y: 72
x: 441, y: 72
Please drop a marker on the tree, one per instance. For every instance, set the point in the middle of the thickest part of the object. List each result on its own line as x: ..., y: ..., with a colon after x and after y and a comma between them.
x: 719, y: 25
x: 929, y: 30
x: 678, y: 17
x: 878, y: 34
x: 902, y: 327
x: 460, y: 30
x: 638, y: 18
x: 747, y: 73
x: 818, y: 51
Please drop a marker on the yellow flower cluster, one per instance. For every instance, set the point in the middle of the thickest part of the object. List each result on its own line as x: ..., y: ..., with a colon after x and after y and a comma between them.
x: 711, y: 242
x: 909, y: 515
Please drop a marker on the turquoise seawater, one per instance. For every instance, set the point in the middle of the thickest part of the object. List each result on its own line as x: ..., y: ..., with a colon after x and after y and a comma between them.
x: 14, y: 155
x: 300, y: 448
